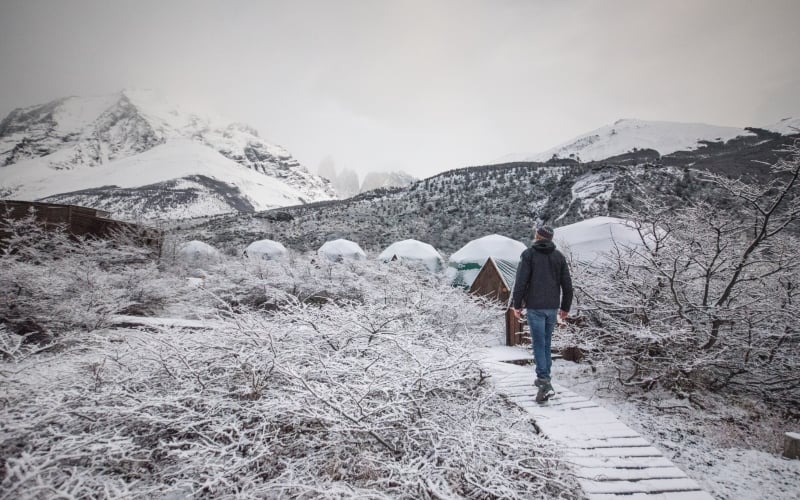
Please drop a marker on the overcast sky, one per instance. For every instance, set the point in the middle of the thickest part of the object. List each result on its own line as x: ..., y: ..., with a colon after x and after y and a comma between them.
x: 423, y: 86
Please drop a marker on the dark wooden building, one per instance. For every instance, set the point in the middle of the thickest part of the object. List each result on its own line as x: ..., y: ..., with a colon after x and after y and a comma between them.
x: 495, y: 281
x: 79, y: 221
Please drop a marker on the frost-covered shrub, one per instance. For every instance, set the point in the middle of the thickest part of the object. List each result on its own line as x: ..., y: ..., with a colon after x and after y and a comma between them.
x: 709, y: 300
x: 54, y: 283
x: 381, y: 397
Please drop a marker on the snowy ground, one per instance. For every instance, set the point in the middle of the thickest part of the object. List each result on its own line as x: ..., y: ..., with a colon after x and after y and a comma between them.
x: 708, y: 448
x: 268, y: 379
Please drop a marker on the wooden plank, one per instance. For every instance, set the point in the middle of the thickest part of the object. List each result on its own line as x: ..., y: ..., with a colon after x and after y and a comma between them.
x: 566, y: 433
x: 609, y: 442
x: 611, y: 460
x: 620, y: 462
x: 551, y: 403
x: 613, y: 473
x: 681, y: 495
x: 643, y: 486
x: 555, y: 419
x: 634, y: 451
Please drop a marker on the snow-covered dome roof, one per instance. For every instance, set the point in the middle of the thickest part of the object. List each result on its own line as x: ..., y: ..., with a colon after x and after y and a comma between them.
x: 265, y: 249
x: 494, y: 245
x: 413, y: 250
x: 588, y: 239
x: 341, y: 249
x: 198, y: 255
x: 197, y: 249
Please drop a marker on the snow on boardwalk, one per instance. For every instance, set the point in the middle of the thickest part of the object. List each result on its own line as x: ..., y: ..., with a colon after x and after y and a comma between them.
x: 610, y: 460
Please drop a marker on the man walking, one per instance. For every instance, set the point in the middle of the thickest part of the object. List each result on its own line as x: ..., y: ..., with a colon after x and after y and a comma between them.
x: 545, y: 286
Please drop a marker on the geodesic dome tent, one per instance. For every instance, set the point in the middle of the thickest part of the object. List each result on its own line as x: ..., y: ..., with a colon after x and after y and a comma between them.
x: 196, y: 253
x: 588, y: 240
x: 341, y: 249
x: 414, y: 251
x: 265, y: 249
x: 466, y: 263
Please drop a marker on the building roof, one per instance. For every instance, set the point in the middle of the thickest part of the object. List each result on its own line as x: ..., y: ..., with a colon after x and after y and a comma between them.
x: 508, y: 271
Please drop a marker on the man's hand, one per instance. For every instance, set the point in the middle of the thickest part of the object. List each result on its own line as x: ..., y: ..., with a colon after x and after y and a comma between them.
x: 517, y: 312
x: 562, y: 314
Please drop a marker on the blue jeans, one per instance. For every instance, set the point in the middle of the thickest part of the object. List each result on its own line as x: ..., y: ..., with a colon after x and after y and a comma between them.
x: 542, y: 322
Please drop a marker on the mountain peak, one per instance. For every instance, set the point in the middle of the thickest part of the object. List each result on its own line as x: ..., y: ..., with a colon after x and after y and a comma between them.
x: 71, y: 143
x: 628, y: 134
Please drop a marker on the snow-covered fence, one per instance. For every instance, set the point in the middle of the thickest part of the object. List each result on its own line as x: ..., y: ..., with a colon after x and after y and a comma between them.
x: 80, y: 222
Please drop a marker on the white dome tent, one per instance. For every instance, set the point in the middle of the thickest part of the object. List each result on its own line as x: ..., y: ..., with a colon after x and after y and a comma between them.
x: 266, y: 249
x: 467, y: 261
x: 588, y: 240
x: 198, y: 254
x: 414, y: 251
x: 341, y: 249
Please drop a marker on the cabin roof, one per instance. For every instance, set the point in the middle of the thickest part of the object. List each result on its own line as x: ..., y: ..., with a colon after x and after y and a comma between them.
x: 508, y: 271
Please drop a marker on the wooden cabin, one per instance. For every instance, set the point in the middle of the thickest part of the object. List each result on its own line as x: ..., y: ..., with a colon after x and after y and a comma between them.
x: 495, y: 281
x: 80, y: 221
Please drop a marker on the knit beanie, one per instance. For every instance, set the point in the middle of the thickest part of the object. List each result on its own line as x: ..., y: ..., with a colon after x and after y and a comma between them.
x: 545, y: 232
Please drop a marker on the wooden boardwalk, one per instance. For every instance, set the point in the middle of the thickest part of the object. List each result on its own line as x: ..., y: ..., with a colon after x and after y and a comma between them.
x: 611, y: 461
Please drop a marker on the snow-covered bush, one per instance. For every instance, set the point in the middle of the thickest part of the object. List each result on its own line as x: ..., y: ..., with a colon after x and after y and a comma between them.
x: 54, y: 283
x: 709, y: 299
x: 379, y: 397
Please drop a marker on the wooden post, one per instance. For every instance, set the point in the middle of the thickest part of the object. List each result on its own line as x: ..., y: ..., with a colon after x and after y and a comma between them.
x: 791, y: 445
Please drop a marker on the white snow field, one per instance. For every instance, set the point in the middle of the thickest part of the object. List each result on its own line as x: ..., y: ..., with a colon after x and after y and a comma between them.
x: 587, y: 241
x: 341, y: 249
x: 266, y: 249
x: 414, y: 251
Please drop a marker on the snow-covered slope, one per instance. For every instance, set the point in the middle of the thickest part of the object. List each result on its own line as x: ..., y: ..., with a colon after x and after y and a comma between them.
x: 786, y: 126
x: 625, y: 135
x: 135, y: 139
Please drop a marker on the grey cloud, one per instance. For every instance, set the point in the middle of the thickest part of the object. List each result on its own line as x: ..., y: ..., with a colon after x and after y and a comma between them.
x: 420, y: 85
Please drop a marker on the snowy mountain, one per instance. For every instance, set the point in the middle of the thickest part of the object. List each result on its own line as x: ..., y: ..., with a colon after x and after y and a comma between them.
x: 138, y: 156
x: 376, y: 180
x: 786, y: 126
x: 346, y: 182
x: 625, y: 136
x: 455, y: 207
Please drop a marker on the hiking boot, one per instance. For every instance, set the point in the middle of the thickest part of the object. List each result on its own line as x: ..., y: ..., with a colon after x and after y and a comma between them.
x: 545, y: 390
x: 540, y: 382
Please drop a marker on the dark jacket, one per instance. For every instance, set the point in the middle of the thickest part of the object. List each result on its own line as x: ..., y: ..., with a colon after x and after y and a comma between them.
x: 543, y: 280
